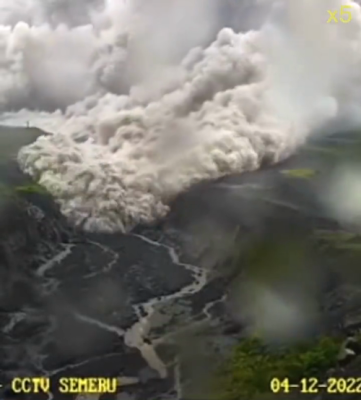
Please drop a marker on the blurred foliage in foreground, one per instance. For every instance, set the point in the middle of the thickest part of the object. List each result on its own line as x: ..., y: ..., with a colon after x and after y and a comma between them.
x: 248, y: 372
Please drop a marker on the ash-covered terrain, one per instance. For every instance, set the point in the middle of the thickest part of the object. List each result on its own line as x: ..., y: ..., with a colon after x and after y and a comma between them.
x: 155, y: 306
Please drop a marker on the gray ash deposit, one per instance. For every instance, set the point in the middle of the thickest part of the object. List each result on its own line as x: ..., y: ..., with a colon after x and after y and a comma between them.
x: 131, y: 305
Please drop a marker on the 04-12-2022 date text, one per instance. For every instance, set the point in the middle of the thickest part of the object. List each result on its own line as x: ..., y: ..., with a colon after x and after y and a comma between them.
x: 339, y: 385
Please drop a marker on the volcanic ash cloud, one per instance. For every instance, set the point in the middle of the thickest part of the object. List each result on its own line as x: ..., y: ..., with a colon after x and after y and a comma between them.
x: 131, y: 128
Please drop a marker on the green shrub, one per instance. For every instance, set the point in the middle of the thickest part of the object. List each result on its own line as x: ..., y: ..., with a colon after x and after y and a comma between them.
x: 252, y: 366
x: 31, y: 188
x: 8, y: 190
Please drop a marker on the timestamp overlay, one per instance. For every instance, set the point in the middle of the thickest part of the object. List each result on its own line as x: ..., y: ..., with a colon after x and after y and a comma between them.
x: 339, y: 385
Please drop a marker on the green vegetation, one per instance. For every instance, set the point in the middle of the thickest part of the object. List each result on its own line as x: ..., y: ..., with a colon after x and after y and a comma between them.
x: 340, y: 240
x: 349, y: 246
x: 32, y: 188
x: 268, y: 260
x: 324, y: 150
x: 248, y: 372
x: 304, y: 173
x: 338, y: 149
x: 335, y: 237
x: 7, y: 190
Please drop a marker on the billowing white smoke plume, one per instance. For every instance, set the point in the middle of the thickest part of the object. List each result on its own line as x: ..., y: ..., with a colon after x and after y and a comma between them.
x: 132, y: 126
